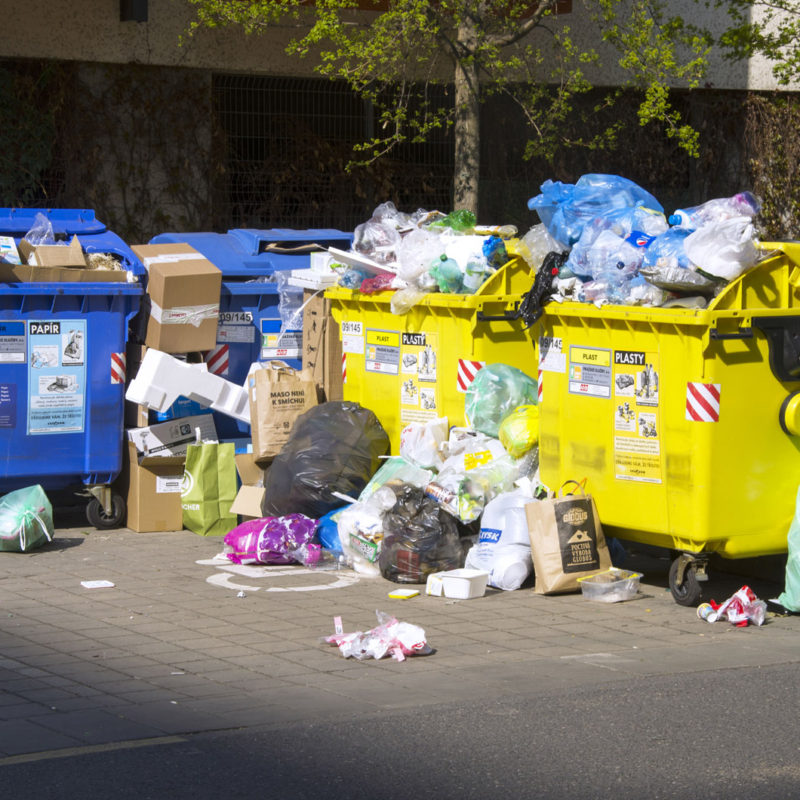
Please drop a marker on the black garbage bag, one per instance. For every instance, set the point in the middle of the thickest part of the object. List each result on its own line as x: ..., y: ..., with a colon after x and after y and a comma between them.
x: 419, y: 537
x: 333, y: 447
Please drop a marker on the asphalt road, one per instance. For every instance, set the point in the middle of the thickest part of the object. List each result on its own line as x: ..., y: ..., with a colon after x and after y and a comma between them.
x: 726, y: 733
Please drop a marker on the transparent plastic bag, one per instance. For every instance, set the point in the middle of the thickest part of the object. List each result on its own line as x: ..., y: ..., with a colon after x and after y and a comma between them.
x: 41, y: 231
x: 743, y: 204
x: 396, y: 469
x: 494, y: 393
x: 389, y: 637
x: 723, y: 249
x: 26, y: 520
x: 421, y: 442
x: 290, y: 303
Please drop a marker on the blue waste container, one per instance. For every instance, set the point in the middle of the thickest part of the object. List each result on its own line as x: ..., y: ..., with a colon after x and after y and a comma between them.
x: 249, y: 327
x: 93, y: 235
x: 62, y: 384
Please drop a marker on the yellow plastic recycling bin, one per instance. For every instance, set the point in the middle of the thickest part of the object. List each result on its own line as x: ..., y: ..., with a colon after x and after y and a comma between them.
x: 417, y: 366
x: 686, y: 423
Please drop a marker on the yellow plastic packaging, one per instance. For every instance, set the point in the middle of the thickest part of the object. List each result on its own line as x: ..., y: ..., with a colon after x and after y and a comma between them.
x: 519, y: 431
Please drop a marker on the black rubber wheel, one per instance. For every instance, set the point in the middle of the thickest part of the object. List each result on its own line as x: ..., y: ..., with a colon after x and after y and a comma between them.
x: 689, y: 592
x: 97, y: 516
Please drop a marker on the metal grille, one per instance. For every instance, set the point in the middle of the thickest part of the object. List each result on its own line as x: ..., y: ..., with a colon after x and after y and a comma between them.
x: 286, y: 144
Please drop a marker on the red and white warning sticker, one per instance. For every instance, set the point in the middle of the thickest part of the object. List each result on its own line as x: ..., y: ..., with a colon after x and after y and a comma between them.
x: 118, y: 367
x: 467, y: 370
x: 702, y: 402
x: 218, y: 359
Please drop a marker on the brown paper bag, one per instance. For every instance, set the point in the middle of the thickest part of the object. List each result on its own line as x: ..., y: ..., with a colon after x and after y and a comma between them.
x: 567, y: 541
x: 278, y: 395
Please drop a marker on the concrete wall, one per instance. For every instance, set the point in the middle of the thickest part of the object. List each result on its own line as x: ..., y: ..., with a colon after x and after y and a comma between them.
x: 90, y: 30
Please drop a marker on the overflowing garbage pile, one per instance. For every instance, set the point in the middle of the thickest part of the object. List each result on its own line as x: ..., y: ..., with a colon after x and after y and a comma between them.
x: 416, y: 254
x: 617, y: 243
x: 452, y: 498
x: 622, y: 249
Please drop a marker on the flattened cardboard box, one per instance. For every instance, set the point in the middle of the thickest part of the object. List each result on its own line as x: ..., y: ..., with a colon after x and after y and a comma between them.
x: 322, y: 346
x: 181, y: 311
x: 152, y: 488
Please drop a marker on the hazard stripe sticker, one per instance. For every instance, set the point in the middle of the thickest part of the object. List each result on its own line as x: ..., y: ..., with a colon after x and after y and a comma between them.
x: 118, y: 367
x: 702, y: 402
x: 344, y: 367
x: 467, y: 370
x: 539, y: 387
x: 218, y: 359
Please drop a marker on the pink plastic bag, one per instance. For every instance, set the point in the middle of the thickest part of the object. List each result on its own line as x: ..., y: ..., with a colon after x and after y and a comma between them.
x: 269, y: 540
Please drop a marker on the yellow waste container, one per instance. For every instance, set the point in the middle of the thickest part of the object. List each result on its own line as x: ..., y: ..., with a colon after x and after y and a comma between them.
x: 417, y: 366
x: 686, y: 423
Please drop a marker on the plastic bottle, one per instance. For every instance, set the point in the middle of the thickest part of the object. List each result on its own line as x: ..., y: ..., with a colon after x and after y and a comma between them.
x: 315, y: 556
x: 448, y: 274
x: 474, y: 273
x: 743, y: 204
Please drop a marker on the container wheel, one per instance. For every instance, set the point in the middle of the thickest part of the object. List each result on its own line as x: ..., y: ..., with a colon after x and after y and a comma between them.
x: 98, y: 517
x: 687, y: 592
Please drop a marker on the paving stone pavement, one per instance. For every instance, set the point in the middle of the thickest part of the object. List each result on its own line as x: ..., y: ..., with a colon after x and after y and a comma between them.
x: 184, y: 642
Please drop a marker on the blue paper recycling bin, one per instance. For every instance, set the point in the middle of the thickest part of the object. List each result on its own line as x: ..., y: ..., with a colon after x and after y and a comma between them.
x: 62, y: 384
x: 249, y: 327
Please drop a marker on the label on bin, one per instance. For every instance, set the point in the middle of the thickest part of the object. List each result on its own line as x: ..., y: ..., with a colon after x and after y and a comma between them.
x: 12, y: 342
x: 382, y: 351
x: 637, y: 430
x: 551, y: 354
x: 8, y: 405
x: 57, y: 353
x: 352, y: 337
x: 590, y: 371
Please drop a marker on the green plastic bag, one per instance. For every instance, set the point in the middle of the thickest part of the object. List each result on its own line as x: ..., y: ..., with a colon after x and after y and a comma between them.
x: 209, y: 488
x: 26, y: 520
x: 790, y: 597
x: 496, y: 391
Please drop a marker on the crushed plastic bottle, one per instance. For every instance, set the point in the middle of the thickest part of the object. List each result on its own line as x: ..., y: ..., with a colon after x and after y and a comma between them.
x: 474, y: 273
x: 743, y: 204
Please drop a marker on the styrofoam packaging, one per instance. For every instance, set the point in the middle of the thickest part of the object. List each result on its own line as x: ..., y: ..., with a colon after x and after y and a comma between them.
x: 611, y: 585
x: 161, y: 379
x: 433, y: 585
x: 464, y: 584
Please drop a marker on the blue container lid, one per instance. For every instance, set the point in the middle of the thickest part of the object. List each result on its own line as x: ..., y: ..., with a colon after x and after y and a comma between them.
x: 66, y: 221
x: 248, y: 252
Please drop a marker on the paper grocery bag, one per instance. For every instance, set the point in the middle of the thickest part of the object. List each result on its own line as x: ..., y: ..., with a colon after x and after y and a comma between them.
x: 567, y: 540
x: 278, y: 395
x: 209, y: 488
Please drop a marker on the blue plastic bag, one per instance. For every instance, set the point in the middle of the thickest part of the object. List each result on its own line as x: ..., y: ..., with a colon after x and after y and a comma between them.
x: 565, y: 209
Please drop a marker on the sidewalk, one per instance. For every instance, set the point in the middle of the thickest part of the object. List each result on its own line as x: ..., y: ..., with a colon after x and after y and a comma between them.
x: 173, y: 649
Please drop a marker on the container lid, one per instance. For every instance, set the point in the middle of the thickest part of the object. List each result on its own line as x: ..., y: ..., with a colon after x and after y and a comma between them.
x: 65, y: 221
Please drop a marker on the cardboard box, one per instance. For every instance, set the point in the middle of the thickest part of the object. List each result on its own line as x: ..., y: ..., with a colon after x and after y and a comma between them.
x: 53, y: 255
x: 57, y: 264
x: 247, y: 503
x: 322, y: 346
x: 181, y: 311
x: 152, y: 487
x: 251, y: 472
x: 171, y: 438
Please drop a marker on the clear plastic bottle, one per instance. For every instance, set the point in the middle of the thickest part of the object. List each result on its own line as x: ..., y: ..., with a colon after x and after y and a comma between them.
x: 315, y: 556
x: 474, y: 273
x: 719, y: 209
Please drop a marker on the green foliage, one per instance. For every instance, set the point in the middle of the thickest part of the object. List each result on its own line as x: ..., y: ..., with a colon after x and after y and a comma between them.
x: 522, y: 48
x: 770, y: 28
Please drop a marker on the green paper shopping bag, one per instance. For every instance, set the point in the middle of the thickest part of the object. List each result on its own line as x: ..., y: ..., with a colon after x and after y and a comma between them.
x: 209, y: 488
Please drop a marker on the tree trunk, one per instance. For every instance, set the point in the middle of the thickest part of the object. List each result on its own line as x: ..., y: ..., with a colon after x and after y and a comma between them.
x: 466, y: 127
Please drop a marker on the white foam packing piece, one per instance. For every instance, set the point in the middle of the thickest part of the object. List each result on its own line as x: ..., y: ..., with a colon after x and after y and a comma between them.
x: 161, y: 379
